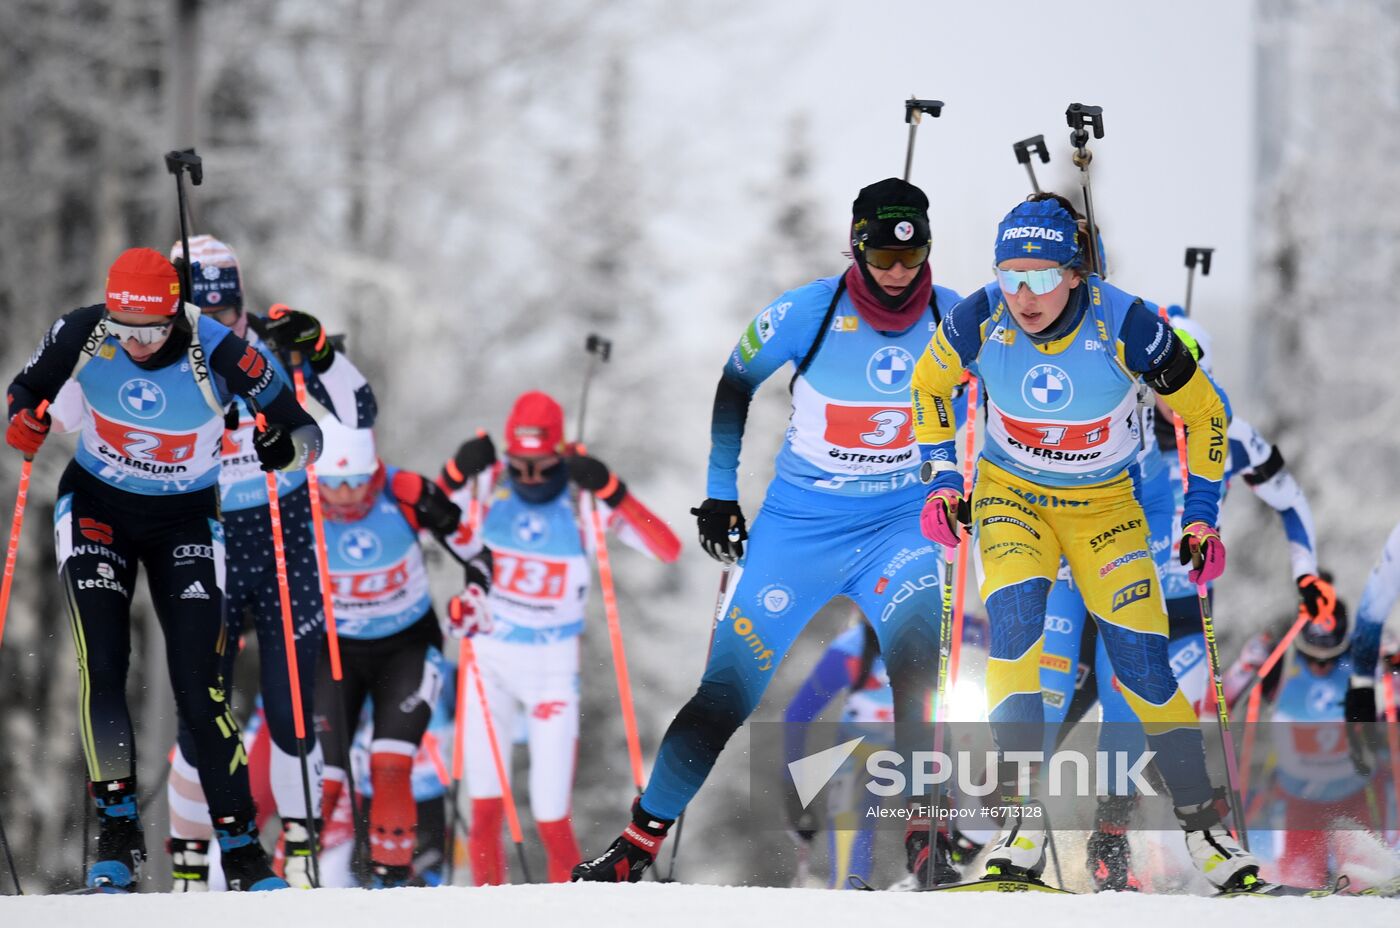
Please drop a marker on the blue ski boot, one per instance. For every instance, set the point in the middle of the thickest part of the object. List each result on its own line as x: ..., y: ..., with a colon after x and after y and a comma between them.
x: 121, y: 845
x: 246, y: 867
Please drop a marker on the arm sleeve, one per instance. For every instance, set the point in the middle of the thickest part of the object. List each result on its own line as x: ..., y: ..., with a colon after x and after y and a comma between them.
x: 639, y: 528
x: 52, y: 363
x: 244, y: 370
x: 937, y: 376
x: 782, y: 332
x: 1377, y: 601
x: 344, y: 391
x: 827, y: 680
x: 427, y: 507
x: 1148, y: 347
x: 1261, y: 466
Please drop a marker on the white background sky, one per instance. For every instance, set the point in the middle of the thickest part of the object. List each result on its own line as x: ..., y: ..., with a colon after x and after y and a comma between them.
x: 1175, y: 168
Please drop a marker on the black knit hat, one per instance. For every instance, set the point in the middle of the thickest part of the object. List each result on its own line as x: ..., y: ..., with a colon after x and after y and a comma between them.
x: 892, y: 213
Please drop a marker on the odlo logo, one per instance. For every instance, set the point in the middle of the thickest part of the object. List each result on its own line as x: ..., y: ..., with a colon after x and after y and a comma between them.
x: 1132, y: 593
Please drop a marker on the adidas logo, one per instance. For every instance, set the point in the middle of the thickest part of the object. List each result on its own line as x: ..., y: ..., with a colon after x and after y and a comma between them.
x: 195, y: 591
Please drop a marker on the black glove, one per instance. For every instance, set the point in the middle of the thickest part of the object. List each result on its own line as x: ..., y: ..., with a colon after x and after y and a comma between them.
x: 722, y: 529
x: 479, y: 570
x: 593, y: 475
x: 289, y: 330
x: 275, y: 448
x: 436, y: 512
x: 474, y: 456
x: 1318, y: 595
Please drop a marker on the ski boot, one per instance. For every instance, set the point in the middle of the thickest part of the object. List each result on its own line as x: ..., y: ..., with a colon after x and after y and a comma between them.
x: 631, y: 855
x: 962, y: 849
x: 121, y: 844
x: 388, y: 876
x: 1213, y: 850
x: 246, y: 867
x: 1019, y: 851
x: 189, y: 864
x: 297, y: 851
x: 930, y: 866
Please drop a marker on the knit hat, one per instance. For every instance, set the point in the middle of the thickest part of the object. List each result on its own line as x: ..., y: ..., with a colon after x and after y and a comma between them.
x: 1039, y: 229
x: 535, y: 426
x: 141, y: 281
x: 213, y: 274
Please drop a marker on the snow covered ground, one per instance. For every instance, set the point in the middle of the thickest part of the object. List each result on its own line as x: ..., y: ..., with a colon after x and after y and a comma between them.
x: 676, y: 904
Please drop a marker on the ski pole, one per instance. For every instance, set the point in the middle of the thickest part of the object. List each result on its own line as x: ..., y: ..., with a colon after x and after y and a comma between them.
x: 960, y: 590
x: 1256, y: 694
x: 1222, y: 711
x: 714, y: 624
x: 945, y: 633
x: 289, y: 639
x: 599, y: 349
x: 1035, y: 145
x: 17, y: 526
x: 1083, y: 119
x: 459, y: 720
x: 512, y: 818
x: 914, y: 110
x: 178, y: 163
x: 1193, y: 255
x: 619, y: 651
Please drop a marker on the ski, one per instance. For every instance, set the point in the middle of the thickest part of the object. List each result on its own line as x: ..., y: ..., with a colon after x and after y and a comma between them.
x: 995, y: 884
x: 98, y: 891
x: 1265, y: 888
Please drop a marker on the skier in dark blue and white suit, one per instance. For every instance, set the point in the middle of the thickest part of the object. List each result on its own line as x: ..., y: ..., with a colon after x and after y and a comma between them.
x: 840, y: 517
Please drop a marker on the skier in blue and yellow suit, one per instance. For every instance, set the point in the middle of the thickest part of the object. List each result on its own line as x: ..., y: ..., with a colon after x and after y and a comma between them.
x: 1061, y: 353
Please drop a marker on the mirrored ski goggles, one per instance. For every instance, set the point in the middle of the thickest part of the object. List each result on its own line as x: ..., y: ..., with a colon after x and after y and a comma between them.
x: 336, y: 481
x: 885, y: 258
x: 1041, y: 282
x: 533, y: 469
x: 145, y: 333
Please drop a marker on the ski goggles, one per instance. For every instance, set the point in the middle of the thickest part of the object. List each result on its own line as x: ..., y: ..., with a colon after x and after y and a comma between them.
x: 336, y: 481
x: 1040, y: 282
x: 145, y: 333
x: 532, y: 469
x: 885, y: 258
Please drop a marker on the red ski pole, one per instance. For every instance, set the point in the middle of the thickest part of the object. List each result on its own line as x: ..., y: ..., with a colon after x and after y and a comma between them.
x: 17, y: 526
x: 1256, y: 695
x: 512, y: 817
x: 289, y: 642
x: 619, y: 652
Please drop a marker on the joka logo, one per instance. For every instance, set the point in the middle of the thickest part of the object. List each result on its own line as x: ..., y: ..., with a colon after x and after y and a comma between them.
x: 1132, y: 593
x: 93, y: 530
x: 809, y: 774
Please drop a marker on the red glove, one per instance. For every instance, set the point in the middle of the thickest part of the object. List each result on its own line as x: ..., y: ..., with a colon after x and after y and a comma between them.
x: 27, y: 432
x: 939, y: 518
x: 1199, y: 540
x: 468, y: 614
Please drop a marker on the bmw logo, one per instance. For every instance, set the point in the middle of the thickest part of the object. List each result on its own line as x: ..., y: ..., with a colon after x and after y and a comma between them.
x: 531, y: 529
x: 1047, y: 388
x: 359, y: 546
x: 142, y: 398
x: 890, y: 370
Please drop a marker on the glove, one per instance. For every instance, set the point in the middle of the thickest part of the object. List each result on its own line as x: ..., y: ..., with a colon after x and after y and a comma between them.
x: 1200, y: 539
x: 1318, y: 595
x: 274, y: 446
x: 474, y: 456
x: 943, y: 510
x: 593, y: 475
x: 722, y: 529
x: 468, y: 613
x: 291, y: 330
x: 431, y: 506
x: 27, y: 432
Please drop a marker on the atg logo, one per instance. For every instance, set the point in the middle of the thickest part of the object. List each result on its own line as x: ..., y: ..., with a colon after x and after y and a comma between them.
x: 142, y: 398
x: 890, y: 369
x: 359, y: 546
x: 1132, y: 593
x: 1047, y: 388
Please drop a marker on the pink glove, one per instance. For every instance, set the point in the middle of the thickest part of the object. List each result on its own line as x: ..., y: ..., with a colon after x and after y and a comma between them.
x: 468, y: 614
x: 1201, y: 545
x: 939, y: 517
